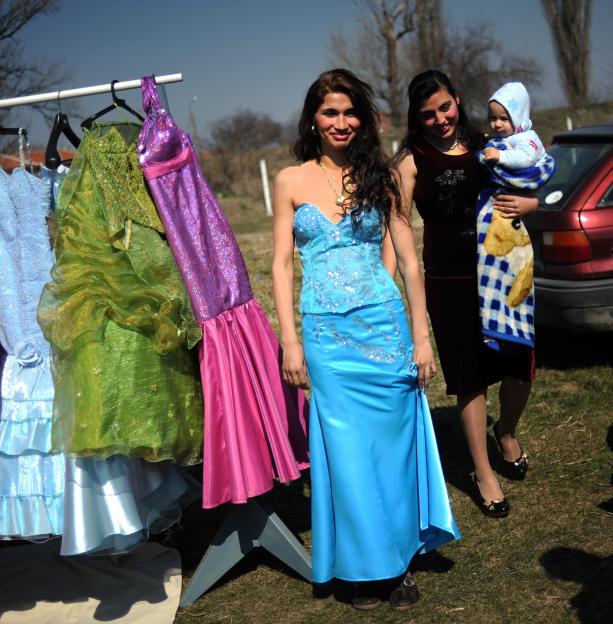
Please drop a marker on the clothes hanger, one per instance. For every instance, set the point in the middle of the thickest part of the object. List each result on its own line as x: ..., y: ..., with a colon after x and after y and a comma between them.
x: 60, y: 126
x: 117, y: 103
x: 13, y: 131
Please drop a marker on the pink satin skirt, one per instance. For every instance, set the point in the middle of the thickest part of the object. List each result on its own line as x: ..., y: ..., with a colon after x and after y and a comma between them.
x: 255, y: 428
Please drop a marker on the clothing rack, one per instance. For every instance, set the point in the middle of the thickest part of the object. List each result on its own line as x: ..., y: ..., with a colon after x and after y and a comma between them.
x: 246, y: 526
x: 55, y: 96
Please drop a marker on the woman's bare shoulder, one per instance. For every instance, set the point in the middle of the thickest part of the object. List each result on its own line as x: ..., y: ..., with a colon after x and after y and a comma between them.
x: 293, y: 173
x: 405, y: 164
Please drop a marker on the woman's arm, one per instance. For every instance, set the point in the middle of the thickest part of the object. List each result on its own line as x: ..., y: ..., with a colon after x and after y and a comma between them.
x: 294, y: 367
x: 408, y: 265
x: 513, y: 206
x: 388, y: 255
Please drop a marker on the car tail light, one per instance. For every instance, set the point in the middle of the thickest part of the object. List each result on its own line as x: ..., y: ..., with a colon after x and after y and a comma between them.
x: 566, y: 247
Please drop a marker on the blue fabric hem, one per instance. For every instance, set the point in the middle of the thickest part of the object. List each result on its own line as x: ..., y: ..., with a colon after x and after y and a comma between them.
x: 31, y: 517
x: 499, y: 337
x: 433, y: 544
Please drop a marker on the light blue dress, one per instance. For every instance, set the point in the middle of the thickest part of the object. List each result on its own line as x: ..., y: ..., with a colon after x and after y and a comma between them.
x: 31, y: 475
x: 378, y: 494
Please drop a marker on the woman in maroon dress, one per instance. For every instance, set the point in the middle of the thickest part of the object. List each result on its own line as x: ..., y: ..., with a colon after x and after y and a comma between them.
x: 441, y: 174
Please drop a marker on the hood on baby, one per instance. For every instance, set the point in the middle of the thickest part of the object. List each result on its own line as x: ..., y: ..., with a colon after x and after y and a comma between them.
x: 514, y: 97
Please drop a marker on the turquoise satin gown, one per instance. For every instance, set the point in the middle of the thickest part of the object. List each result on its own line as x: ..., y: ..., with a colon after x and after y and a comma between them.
x: 378, y: 493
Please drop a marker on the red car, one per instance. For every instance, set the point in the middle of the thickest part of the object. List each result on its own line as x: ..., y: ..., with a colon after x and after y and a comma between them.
x: 572, y: 233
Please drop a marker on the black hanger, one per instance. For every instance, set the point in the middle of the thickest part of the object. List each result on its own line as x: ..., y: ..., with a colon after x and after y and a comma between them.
x: 13, y: 131
x: 60, y: 126
x: 117, y: 103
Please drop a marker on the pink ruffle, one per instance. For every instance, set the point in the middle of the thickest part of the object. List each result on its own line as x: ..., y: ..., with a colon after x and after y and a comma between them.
x: 255, y: 426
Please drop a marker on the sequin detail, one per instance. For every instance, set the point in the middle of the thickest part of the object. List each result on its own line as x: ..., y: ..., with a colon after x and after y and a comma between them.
x: 393, y: 349
x: 342, y: 266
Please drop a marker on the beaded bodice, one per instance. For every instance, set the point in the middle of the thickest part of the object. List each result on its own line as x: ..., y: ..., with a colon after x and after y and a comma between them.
x: 26, y: 259
x: 110, y: 148
x: 342, y: 265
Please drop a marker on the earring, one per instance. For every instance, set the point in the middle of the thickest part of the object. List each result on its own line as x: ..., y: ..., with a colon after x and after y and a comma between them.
x: 313, y: 129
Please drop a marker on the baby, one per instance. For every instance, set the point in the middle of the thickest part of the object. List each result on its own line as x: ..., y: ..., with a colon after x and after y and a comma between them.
x: 509, y: 120
x: 517, y: 163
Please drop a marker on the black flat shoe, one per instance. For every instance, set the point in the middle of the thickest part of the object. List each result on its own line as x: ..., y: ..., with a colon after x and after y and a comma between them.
x: 491, y: 508
x: 363, y: 599
x: 515, y: 470
x: 406, y: 595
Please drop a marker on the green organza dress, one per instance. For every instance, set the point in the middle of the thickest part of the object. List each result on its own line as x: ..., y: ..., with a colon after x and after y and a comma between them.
x: 117, y: 315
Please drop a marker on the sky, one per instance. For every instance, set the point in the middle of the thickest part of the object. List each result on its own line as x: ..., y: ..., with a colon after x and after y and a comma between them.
x: 255, y: 54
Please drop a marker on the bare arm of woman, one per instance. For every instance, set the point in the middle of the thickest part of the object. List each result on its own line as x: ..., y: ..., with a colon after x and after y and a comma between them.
x: 294, y: 367
x: 406, y: 253
x: 388, y: 255
x: 513, y: 206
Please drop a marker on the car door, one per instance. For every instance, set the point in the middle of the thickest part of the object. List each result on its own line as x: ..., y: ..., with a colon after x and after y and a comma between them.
x: 596, y: 218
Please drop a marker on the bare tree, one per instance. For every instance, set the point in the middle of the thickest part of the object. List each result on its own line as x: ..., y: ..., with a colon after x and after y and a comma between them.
x: 431, y: 37
x: 569, y: 22
x: 380, y: 57
x: 478, y: 65
x: 396, y: 40
x: 234, y: 141
x: 244, y: 130
x: 18, y: 77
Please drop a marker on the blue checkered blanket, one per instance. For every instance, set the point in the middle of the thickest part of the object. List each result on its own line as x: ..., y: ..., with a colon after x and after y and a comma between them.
x: 505, y: 260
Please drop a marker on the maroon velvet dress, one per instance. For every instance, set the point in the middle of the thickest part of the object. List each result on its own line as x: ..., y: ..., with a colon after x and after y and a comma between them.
x: 446, y: 191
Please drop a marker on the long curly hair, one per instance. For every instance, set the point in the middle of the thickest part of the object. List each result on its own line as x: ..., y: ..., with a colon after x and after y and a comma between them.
x: 420, y: 89
x: 370, y: 173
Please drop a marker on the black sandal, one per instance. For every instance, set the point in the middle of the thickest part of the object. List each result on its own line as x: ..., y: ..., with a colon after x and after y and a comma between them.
x: 363, y: 599
x: 515, y: 470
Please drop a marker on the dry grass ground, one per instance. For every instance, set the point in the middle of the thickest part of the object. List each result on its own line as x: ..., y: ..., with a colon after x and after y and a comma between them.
x: 549, y: 562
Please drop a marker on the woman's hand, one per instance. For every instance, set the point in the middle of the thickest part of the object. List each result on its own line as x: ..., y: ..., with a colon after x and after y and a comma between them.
x: 423, y: 356
x: 294, y: 367
x: 514, y: 206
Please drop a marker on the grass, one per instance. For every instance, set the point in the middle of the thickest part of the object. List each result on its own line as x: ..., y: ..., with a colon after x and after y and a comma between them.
x: 549, y: 561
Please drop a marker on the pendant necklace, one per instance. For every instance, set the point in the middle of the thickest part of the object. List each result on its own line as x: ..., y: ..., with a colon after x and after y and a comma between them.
x: 453, y: 145
x: 340, y: 197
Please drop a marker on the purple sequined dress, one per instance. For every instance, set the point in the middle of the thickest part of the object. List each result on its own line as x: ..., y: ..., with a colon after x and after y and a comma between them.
x: 254, y: 425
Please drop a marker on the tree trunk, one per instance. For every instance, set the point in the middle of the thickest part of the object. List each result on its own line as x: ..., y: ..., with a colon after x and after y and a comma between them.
x: 569, y: 22
x: 395, y: 99
x: 430, y: 32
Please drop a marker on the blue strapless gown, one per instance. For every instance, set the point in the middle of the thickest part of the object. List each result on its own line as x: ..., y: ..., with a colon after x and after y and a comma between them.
x: 378, y: 493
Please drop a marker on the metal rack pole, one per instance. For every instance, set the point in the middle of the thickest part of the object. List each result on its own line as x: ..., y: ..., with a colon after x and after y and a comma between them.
x: 54, y: 96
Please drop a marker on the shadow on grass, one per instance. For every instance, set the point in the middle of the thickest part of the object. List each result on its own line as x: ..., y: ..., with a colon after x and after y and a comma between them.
x: 561, y: 350
x: 198, y: 528
x: 607, y: 505
x: 455, y: 457
x: 594, y: 602
x: 344, y: 591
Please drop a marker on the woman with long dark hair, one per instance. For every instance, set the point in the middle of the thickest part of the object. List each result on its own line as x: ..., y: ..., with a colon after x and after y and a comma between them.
x: 440, y: 172
x: 378, y: 493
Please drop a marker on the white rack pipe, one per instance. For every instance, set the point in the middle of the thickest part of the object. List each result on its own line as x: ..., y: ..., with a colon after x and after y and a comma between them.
x: 54, y: 96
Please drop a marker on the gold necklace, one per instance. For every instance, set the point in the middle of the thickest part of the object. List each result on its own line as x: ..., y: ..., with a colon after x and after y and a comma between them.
x: 340, y: 197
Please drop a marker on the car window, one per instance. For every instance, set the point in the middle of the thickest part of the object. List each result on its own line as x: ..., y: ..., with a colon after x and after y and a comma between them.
x: 573, y: 163
x: 607, y: 199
